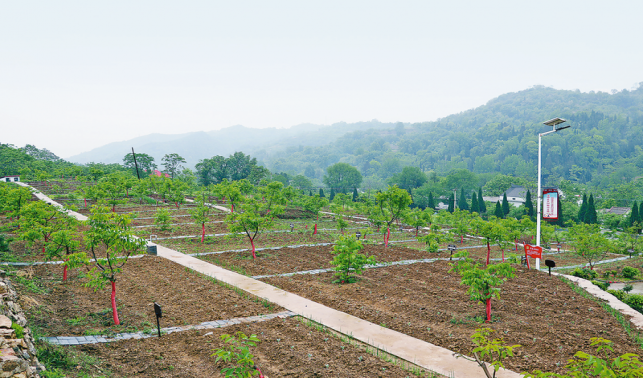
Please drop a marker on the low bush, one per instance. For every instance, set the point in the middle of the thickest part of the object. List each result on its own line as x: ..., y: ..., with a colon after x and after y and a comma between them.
x: 635, y: 301
x: 630, y: 272
x: 619, y: 294
x: 601, y: 284
x: 585, y: 273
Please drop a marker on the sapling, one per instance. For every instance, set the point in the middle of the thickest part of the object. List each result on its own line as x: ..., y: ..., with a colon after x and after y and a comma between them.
x: 433, y: 239
x: 314, y: 204
x: 483, y: 282
x: 236, y: 351
x: 162, y: 219
x: 491, y: 351
x: 348, y: 261
x: 111, y: 236
x: 588, y: 243
x: 63, y: 244
x: 418, y: 218
x: 39, y: 220
x: 251, y: 219
x: 201, y: 213
x: 392, y: 202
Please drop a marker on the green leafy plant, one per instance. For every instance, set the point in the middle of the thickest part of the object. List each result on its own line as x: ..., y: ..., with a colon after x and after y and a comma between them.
x: 584, y: 273
x: 483, y: 282
x: 587, y: 365
x: 619, y: 294
x: 629, y: 272
x: 162, y: 219
x: 19, y: 331
x: 601, y: 284
x: 348, y: 262
x: 491, y: 351
x: 236, y: 352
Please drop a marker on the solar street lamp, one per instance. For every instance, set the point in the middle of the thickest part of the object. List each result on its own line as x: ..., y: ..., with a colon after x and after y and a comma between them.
x: 553, y: 123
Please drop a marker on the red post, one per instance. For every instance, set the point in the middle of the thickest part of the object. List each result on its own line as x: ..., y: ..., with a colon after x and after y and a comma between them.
x: 315, y: 233
x: 114, y: 311
x: 488, y: 252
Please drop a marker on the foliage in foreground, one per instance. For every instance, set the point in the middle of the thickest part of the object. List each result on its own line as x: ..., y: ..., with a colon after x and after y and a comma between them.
x: 236, y: 351
x: 348, y: 262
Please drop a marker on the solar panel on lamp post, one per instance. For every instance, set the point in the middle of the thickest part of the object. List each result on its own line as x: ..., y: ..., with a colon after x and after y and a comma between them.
x: 553, y: 123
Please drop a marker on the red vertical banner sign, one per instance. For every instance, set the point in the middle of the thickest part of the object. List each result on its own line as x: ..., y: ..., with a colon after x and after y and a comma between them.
x: 550, y: 204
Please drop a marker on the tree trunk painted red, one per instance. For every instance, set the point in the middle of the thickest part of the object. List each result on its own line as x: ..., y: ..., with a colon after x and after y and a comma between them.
x: 516, y: 243
x: 461, y: 239
x: 503, y: 255
x: 202, y: 232
x: 177, y: 204
x: 65, y: 273
x: 488, y: 310
x: 113, y: 208
x: 232, y: 208
x: 416, y: 232
x: 114, y: 310
x: 315, y: 233
x: 388, y: 235
x: 488, y: 252
x: 252, y: 243
x: 85, y: 199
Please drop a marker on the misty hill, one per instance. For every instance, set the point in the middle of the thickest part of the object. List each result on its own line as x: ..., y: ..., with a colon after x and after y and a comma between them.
x: 200, y: 145
x: 602, y: 148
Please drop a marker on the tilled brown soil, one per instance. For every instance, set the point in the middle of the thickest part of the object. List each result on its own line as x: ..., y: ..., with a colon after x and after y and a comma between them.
x: 287, y: 260
x: 541, y: 313
x: 288, y: 348
x: 186, y: 298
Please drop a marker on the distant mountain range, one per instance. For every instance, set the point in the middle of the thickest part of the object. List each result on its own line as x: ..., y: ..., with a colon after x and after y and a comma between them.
x: 201, y: 145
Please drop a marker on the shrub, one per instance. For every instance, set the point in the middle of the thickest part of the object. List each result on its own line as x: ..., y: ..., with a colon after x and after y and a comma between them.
x: 4, y: 243
x: 627, y: 288
x: 348, y: 262
x: 163, y: 220
x: 585, y: 273
x: 17, y: 328
x: 237, y: 353
x: 619, y: 294
x: 630, y: 272
x: 635, y: 301
x: 601, y: 284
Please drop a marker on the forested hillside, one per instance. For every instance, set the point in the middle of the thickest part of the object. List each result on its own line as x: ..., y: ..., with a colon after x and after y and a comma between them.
x: 602, y: 148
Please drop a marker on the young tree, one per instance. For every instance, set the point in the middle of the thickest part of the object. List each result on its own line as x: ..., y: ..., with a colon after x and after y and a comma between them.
x: 111, y: 236
x: 113, y: 189
x: 39, y: 220
x: 173, y: 164
x: 342, y: 199
x: 392, y: 204
x: 332, y: 194
x: 201, y: 212
x: 483, y: 282
x: 314, y: 204
x: 13, y: 199
x: 589, y: 243
x: 348, y: 261
x: 63, y: 244
x: 418, y: 218
x: 233, y: 191
x: 252, y: 219
x: 491, y: 230
x: 355, y: 195
x: 321, y: 193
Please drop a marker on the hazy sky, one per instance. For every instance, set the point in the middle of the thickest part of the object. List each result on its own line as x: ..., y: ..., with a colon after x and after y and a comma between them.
x: 75, y: 75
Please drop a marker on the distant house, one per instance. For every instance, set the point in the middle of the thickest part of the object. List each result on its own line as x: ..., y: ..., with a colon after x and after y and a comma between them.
x: 442, y: 206
x: 158, y: 173
x: 10, y: 179
x: 617, y: 210
x: 516, y: 196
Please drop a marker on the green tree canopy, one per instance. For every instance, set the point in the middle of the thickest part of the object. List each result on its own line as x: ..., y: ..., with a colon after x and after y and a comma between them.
x: 342, y: 176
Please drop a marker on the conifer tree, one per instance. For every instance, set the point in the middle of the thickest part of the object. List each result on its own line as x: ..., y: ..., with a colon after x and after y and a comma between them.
x: 451, y: 200
x: 431, y: 201
x: 462, y: 203
x: 583, y: 209
x: 529, y: 205
x: 355, y: 195
x: 641, y: 211
x: 635, y: 216
x: 332, y: 193
x: 321, y: 193
x: 498, y: 213
x: 481, y: 205
x: 474, y: 203
x: 590, y: 215
x: 505, y: 204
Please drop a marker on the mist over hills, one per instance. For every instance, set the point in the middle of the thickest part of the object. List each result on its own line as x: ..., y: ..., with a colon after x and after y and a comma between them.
x: 195, y: 146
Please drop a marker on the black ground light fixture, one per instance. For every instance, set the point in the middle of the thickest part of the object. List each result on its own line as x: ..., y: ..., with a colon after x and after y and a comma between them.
x: 451, y: 249
x: 159, y: 314
x: 358, y: 235
x: 550, y: 264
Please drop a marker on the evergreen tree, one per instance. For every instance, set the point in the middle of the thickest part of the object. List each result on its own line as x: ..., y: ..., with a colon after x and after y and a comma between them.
x: 332, y: 193
x: 474, y: 203
x: 583, y: 209
x: 641, y: 211
x: 355, y: 195
x: 451, y: 201
x: 635, y: 216
x: 505, y: 204
x: 529, y: 205
x: 481, y: 205
x: 310, y: 194
x: 590, y: 215
x: 321, y: 193
x: 462, y: 203
x: 431, y: 201
x: 498, y: 213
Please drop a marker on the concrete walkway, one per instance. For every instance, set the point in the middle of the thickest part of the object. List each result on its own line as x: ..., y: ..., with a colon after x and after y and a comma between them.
x: 48, y: 200
x: 78, y: 340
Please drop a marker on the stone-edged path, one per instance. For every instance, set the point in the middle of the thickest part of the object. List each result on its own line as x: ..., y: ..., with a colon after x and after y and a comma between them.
x: 78, y: 340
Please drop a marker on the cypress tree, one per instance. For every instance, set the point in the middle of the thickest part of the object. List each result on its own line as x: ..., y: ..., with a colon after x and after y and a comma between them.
x: 583, y: 209
x: 560, y: 221
x: 529, y: 205
x: 310, y: 194
x: 641, y: 211
x: 355, y: 195
x: 635, y: 216
x: 481, y: 205
x: 332, y: 193
x: 431, y: 201
x: 321, y: 193
x: 463, y: 204
x: 474, y: 203
x: 505, y: 204
x: 590, y: 215
x: 451, y: 200
x: 498, y: 213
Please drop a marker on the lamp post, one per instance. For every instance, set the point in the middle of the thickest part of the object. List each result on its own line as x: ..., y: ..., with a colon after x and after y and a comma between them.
x: 552, y: 122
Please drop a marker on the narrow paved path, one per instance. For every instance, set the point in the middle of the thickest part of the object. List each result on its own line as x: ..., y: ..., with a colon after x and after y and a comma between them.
x: 77, y: 340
